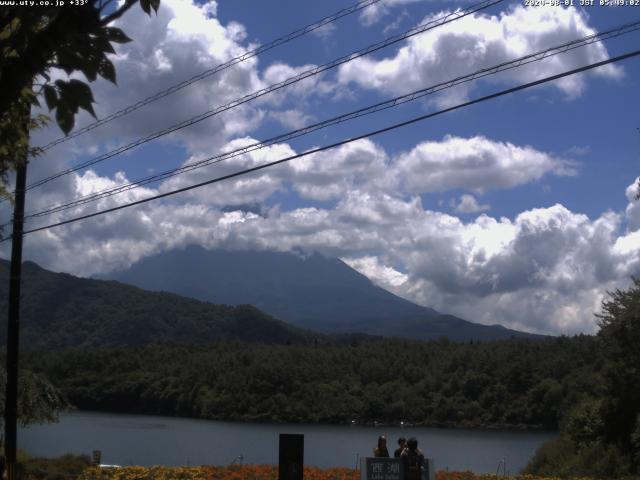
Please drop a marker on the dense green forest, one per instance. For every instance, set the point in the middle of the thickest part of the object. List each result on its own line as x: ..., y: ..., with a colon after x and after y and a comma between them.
x: 516, y: 383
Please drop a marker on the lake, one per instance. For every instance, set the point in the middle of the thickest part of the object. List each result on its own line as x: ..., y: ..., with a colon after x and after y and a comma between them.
x: 154, y: 440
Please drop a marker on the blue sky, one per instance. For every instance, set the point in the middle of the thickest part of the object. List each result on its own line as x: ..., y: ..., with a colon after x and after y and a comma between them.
x: 517, y: 211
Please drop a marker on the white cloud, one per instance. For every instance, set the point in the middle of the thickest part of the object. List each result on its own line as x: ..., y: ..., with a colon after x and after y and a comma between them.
x: 325, y: 31
x: 478, y: 41
x: 250, y: 188
x: 545, y: 271
x: 373, y: 268
x: 374, y: 13
x: 331, y: 174
x: 182, y: 41
x: 293, y: 118
x: 477, y: 163
x: 633, y: 208
x: 469, y: 204
x: 579, y: 150
x: 280, y: 72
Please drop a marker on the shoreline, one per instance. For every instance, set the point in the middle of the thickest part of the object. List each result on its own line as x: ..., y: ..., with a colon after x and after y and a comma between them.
x: 367, y: 424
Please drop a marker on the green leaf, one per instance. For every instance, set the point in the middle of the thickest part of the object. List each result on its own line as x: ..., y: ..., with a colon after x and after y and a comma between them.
x: 101, y: 42
x: 65, y: 119
x: 89, y: 67
x: 50, y: 96
x: 107, y: 70
x: 81, y: 95
x: 146, y: 6
x: 116, y: 35
x: 67, y: 60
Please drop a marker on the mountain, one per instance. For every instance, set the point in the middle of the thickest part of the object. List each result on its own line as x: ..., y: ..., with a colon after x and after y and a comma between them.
x: 309, y: 291
x: 60, y: 310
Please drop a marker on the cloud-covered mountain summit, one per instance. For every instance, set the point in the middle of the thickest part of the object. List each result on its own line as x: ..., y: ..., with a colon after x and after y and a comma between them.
x: 310, y: 291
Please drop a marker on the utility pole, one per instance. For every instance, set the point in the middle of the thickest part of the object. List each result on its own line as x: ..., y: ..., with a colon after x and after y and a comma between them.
x: 13, y: 326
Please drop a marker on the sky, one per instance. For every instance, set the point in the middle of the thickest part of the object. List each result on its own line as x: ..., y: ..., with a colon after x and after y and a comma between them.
x: 517, y: 211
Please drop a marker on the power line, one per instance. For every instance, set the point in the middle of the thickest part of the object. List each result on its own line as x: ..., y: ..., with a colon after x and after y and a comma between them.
x: 534, y: 57
x: 277, y: 86
x: 218, y: 68
x: 337, y: 144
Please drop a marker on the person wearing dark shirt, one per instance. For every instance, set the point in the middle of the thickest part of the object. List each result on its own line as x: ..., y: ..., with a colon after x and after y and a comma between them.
x: 381, y: 449
x: 413, y: 460
x: 402, y: 444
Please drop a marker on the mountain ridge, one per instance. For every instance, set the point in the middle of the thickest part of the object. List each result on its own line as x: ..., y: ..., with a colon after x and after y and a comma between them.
x: 61, y: 310
x: 310, y: 291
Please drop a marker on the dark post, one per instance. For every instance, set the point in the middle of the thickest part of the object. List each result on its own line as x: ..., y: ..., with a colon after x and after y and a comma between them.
x: 13, y: 326
x: 291, y: 461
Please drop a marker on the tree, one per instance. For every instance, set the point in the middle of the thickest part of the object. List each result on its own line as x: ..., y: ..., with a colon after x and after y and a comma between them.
x: 620, y: 335
x: 39, y: 400
x: 35, y: 40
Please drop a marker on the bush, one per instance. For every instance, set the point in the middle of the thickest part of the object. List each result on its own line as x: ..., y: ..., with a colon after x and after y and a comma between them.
x: 562, y: 457
x: 61, y: 468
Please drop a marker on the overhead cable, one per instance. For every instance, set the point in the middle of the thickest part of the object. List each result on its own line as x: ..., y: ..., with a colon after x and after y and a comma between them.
x: 337, y: 144
x: 527, y: 59
x: 218, y: 68
x: 450, y: 17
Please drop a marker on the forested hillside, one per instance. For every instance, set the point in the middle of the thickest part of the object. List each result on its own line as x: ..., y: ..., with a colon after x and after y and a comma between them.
x: 60, y: 310
x: 516, y: 383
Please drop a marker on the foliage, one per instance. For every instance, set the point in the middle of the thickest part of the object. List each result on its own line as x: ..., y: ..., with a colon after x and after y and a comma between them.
x: 33, y: 41
x: 620, y: 335
x: 513, y: 383
x: 561, y: 457
x: 38, y: 400
x: 267, y: 472
x: 601, y: 434
x: 14, y: 147
x: 36, y: 40
x: 60, y: 310
x: 247, y: 472
x: 59, y: 468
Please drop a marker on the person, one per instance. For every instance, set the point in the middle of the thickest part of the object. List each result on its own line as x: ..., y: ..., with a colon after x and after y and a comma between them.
x: 402, y: 444
x: 381, y: 449
x: 413, y: 460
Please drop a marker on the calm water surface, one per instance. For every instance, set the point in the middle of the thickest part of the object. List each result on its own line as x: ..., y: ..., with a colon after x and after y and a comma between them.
x: 153, y: 440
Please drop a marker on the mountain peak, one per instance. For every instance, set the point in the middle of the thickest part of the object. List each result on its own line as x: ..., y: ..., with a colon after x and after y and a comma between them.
x: 303, y: 288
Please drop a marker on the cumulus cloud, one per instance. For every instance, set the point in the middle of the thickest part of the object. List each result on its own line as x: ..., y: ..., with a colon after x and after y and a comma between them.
x: 325, y: 31
x: 477, y: 163
x: 331, y: 174
x: 478, y: 41
x: 183, y: 40
x: 374, y: 13
x: 544, y: 271
x: 469, y: 204
x: 633, y: 208
x: 373, y: 267
x: 293, y: 118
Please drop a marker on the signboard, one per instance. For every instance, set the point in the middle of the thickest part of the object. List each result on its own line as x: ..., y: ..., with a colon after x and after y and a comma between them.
x: 391, y: 469
x: 382, y: 469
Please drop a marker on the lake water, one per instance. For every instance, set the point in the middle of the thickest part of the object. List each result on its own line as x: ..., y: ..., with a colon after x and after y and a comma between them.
x: 153, y: 440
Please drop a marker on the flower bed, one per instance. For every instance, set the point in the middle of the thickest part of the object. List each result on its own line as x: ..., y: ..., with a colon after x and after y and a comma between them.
x: 259, y: 472
x: 249, y: 472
